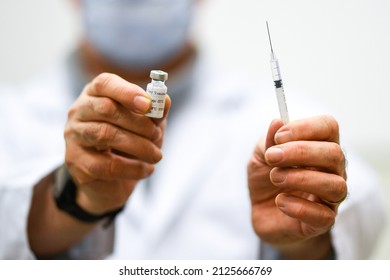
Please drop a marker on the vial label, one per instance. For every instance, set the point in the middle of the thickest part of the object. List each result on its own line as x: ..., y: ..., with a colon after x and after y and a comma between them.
x: 157, y: 94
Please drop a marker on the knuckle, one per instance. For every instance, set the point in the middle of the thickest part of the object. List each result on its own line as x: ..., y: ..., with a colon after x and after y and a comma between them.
x: 107, y: 133
x: 69, y: 159
x: 141, y: 170
x: 310, y: 231
x: 337, y: 152
x: 72, y: 111
x: 101, y: 81
x: 106, y: 108
x: 153, y: 132
x: 328, y: 218
x: 340, y: 187
x: 118, y: 169
x: 100, y: 134
x: 150, y: 152
x: 89, y: 133
x: 82, y: 174
x: 325, y: 220
x: 152, y: 155
x: 68, y: 131
x: 113, y: 168
x: 106, y: 81
x: 81, y: 180
x: 301, y: 210
x: 146, y: 127
x: 302, y: 178
x: 96, y: 169
x: 157, y: 155
x: 122, y: 91
x: 301, y: 150
x: 117, y: 114
x: 335, y: 155
x: 332, y: 124
x: 339, y: 156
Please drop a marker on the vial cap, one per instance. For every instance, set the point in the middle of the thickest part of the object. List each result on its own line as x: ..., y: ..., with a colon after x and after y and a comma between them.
x: 159, y: 75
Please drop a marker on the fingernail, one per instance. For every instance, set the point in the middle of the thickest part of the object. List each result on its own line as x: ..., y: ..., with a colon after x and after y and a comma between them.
x: 278, y: 176
x: 283, y: 137
x: 274, y: 155
x: 280, y: 202
x: 141, y: 103
x: 285, y: 201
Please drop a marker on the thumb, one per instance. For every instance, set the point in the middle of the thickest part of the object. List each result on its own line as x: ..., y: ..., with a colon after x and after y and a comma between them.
x: 273, y: 128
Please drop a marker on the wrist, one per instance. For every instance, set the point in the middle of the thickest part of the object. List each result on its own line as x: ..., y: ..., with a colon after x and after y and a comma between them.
x: 319, y: 248
x: 70, y: 200
x: 93, y: 204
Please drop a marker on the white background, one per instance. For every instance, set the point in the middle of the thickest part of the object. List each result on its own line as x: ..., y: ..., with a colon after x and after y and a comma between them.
x: 334, y: 51
x: 98, y: 270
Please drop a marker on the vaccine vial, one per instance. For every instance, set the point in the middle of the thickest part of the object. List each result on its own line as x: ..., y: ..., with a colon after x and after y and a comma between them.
x: 157, y: 91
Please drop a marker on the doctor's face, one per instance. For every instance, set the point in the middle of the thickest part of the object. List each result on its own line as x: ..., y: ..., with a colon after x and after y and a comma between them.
x: 136, y: 33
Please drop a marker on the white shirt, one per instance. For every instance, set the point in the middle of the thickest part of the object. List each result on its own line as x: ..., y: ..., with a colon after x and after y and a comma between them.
x: 196, y: 204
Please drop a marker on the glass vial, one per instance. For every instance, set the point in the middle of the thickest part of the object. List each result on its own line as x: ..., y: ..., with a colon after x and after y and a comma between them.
x: 157, y: 91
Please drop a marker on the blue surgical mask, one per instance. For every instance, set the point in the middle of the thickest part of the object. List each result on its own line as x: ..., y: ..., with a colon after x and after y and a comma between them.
x: 137, y: 33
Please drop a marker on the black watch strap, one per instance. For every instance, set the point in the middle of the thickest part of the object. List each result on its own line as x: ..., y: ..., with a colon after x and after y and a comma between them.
x: 65, y: 191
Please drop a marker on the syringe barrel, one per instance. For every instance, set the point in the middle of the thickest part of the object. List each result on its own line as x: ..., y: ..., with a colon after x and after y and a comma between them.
x: 275, y: 68
x: 282, y: 105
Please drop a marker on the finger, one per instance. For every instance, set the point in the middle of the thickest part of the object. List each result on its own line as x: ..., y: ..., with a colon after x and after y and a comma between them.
x: 104, y: 136
x: 127, y: 94
x: 326, y: 186
x: 318, y: 216
x: 87, y: 165
x: 323, y: 155
x: 103, y: 109
x: 258, y: 158
x: 320, y: 128
x: 158, y: 139
x: 273, y: 128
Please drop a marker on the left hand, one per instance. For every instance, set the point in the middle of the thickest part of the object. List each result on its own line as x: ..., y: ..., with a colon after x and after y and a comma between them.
x: 297, y: 180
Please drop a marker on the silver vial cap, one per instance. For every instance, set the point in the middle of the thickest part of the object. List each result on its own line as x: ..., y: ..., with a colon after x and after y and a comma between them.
x: 159, y: 75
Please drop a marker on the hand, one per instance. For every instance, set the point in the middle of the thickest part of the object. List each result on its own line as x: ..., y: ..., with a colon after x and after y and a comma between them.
x: 110, y: 144
x: 297, y: 180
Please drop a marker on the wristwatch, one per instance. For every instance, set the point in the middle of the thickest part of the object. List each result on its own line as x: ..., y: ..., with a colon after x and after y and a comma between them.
x: 65, y: 190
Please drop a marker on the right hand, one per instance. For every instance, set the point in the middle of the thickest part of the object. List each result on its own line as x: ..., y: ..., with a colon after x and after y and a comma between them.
x: 110, y: 144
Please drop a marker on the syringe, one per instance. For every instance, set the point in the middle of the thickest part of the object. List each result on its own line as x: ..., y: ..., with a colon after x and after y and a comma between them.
x: 278, y: 83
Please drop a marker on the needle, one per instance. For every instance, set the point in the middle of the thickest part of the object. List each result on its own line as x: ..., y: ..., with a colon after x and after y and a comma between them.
x: 269, y: 37
x: 278, y: 83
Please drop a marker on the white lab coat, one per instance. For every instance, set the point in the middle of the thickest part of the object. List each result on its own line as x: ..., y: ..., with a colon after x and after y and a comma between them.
x: 196, y: 204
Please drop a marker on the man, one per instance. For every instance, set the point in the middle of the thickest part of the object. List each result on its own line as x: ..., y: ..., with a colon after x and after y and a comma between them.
x: 111, y: 198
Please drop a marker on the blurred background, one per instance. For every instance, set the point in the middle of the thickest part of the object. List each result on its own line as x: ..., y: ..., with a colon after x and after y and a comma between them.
x: 335, y: 52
